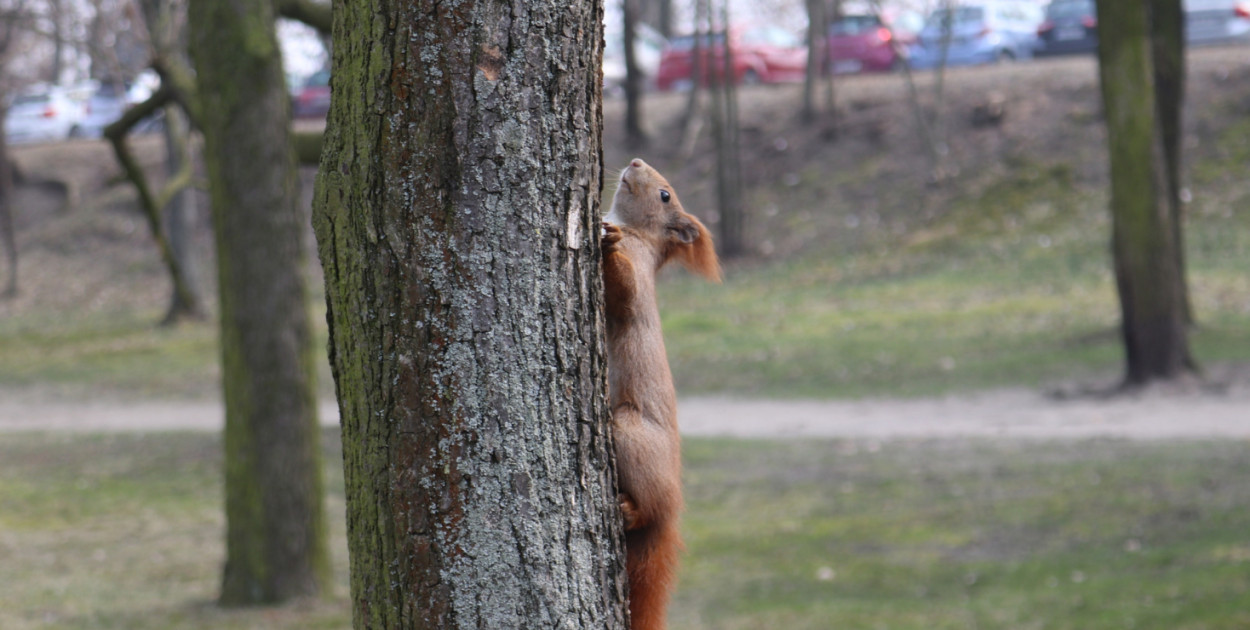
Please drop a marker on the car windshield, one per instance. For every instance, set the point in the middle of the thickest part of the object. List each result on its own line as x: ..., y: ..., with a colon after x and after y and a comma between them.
x: 961, y: 15
x: 771, y: 35
x: 854, y: 25
x: 32, y: 99
x: 1069, y: 9
x: 686, y: 42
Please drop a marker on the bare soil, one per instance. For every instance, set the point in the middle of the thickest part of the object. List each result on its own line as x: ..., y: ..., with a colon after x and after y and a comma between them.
x: 1008, y: 414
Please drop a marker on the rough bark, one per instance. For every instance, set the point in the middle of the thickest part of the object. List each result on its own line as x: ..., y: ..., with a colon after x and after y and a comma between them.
x: 275, y: 532
x: 457, y: 219
x: 1143, y: 245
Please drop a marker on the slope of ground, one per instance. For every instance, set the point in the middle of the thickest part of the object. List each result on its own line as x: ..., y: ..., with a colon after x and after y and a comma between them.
x: 865, y: 277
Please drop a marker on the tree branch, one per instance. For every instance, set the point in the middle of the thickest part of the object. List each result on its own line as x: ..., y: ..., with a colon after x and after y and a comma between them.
x: 149, y: 204
x: 179, y: 78
x: 310, y: 12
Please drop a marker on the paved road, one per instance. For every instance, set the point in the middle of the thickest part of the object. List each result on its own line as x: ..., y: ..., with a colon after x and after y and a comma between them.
x: 1015, y: 413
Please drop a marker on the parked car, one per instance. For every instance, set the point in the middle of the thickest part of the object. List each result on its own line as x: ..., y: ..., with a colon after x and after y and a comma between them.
x: 1071, y: 26
x: 760, y: 54
x: 648, y: 47
x: 106, y: 104
x: 1216, y: 21
x: 43, y: 114
x: 312, y: 99
x: 977, y: 33
x: 863, y: 43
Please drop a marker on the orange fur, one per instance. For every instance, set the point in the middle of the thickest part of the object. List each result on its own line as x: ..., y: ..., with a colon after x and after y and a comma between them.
x: 645, y: 230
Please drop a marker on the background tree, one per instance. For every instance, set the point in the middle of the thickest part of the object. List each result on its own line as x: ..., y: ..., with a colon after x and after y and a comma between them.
x: 723, y: 108
x: 1144, y: 246
x: 635, y: 134
x: 14, y: 17
x: 275, y: 538
x: 166, y: 25
x: 457, y: 217
x: 1167, y: 36
x: 817, y: 55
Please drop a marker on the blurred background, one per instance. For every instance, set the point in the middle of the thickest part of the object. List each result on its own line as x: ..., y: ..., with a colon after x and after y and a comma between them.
x: 913, y: 203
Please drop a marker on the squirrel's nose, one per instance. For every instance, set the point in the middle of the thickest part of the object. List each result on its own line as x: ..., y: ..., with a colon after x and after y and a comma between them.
x: 636, y: 163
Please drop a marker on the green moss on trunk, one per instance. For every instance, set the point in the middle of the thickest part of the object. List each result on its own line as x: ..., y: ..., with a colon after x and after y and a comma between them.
x: 276, y: 538
x: 1144, y: 247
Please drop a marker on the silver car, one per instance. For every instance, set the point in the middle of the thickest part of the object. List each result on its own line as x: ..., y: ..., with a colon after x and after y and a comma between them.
x: 1217, y: 21
x: 43, y: 115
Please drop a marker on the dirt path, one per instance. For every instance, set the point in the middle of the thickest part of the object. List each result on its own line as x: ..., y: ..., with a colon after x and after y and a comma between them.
x: 1014, y: 413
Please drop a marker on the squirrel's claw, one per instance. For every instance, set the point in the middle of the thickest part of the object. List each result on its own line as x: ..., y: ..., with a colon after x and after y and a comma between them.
x: 610, y: 236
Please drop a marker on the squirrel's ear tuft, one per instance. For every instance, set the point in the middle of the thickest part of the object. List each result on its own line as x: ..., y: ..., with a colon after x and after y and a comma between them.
x: 696, y: 250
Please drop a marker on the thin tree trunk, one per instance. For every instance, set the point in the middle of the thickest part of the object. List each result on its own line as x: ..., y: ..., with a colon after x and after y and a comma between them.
x: 816, y: 57
x: 692, y: 123
x: 729, y: 170
x: 8, y: 231
x: 151, y: 204
x: 457, y: 217
x: 1143, y: 244
x: 187, y: 302
x: 275, y: 523
x: 664, y: 19
x: 635, y: 134
x: 831, y: 12
x: 56, y: 11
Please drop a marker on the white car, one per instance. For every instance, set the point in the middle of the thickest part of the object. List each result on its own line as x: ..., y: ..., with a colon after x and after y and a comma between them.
x: 1217, y: 21
x: 43, y: 115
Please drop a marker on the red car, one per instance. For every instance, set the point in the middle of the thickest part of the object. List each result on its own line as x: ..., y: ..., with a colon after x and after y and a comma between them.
x: 760, y: 54
x: 862, y: 43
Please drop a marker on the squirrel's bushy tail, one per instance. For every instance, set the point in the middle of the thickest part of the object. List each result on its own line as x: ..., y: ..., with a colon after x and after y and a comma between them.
x: 651, y: 560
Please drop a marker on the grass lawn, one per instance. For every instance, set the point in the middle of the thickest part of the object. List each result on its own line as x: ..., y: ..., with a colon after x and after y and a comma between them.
x: 125, y: 531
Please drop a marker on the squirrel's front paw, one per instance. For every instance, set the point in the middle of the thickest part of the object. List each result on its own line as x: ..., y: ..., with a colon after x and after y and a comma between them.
x: 610, y: 236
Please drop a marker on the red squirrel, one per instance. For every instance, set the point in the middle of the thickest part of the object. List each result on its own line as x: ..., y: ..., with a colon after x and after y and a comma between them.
x: 644, y: 230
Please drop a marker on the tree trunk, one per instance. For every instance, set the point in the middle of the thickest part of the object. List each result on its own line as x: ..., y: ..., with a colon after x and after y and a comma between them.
x: 8, y: 230
x: 635, y: 134
x: 1167, y: 33
x: 56, y: 14
x: 275, y: 539
x: 457, y: 218
x: 692, y: 121
x: 728, y: 168
x: 1143, y: 244
x: 816, y: 56
x: 185, y: 302
x: 831, y: 11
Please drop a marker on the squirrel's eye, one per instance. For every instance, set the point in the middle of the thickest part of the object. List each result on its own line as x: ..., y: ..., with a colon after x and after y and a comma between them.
x: 664, y: 196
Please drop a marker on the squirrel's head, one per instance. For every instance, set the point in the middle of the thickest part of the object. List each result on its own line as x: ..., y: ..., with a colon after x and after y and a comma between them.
x: 646, y: 202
